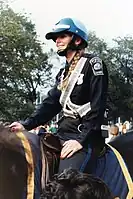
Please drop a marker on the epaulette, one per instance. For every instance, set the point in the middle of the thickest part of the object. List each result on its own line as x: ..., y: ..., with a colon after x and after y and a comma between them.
x: 96, y: 64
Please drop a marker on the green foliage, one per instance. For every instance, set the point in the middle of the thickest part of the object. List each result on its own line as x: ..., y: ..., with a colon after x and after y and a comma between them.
x: 119, y: 61
x: 96, y: 45
x: 23, y: 65
x: 123, y: 59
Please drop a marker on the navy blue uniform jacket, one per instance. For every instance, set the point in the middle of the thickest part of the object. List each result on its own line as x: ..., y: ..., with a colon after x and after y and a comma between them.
x: 93, y: 90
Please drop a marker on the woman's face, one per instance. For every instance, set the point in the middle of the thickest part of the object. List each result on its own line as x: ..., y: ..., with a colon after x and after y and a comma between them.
x: 62, y: 41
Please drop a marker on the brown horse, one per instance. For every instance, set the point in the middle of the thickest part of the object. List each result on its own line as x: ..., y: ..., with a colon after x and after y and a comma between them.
x: 13, y: 166
x: 19, y: 165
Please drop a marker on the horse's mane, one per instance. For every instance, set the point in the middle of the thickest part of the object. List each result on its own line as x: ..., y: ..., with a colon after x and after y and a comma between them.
x: 13, y: 165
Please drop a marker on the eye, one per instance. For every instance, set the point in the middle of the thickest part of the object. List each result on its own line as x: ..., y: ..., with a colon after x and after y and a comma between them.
x: 63, y: 36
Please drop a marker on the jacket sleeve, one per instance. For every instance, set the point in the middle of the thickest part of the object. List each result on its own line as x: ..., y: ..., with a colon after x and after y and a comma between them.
x: 47, y: 110
x: 98, y: 85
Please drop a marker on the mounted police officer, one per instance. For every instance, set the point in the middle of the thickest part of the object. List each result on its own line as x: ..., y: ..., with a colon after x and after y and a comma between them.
x: 80, y: 92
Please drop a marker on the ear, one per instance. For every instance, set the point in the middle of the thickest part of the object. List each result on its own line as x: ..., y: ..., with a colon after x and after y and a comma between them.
x: 78, y: 41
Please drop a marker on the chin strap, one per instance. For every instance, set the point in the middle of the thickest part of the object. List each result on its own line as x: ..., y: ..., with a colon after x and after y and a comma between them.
x: 62, y: 52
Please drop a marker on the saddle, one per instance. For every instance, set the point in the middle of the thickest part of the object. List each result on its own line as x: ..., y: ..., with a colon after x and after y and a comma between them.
x: 50, y: 150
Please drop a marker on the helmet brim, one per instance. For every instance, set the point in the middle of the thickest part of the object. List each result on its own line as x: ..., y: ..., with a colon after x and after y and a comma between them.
x: 52, y: 35
x: 49, y: 35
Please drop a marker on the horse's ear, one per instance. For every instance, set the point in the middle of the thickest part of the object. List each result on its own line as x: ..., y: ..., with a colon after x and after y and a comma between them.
x: 10, y: 140
x: 1, y: 126
x: 4, y: 126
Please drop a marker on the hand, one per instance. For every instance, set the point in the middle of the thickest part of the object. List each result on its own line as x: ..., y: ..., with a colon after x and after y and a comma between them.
x: 69, y: 148
x: 16, y: 126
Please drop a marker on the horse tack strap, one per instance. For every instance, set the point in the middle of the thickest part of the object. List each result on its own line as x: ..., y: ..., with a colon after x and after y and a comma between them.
x: 125, y: 172
x: 29, y: 158
x: 45, y: 167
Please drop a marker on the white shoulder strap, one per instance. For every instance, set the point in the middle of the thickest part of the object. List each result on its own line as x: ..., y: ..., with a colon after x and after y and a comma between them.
x: 72, y: 81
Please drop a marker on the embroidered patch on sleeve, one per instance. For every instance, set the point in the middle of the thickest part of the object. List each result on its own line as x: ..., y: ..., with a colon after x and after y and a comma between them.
x: 97, y: 66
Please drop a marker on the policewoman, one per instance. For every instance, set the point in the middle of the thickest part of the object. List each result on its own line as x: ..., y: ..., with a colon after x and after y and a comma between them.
x: 80, y: 92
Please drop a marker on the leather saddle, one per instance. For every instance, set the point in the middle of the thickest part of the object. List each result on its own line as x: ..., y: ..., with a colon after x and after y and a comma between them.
x: 50, y: 150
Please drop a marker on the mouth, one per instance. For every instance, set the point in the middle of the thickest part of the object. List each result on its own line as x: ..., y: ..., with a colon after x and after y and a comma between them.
x: 61, y: 47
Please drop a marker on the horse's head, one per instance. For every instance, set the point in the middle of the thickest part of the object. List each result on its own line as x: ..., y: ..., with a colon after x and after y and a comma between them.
x: 13, y: 165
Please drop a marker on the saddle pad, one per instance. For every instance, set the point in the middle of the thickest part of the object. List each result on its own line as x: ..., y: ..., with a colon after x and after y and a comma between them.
x: 125, y: 172
x: 112, y: 169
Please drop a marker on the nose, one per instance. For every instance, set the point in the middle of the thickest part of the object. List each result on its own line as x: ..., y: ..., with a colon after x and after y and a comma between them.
x: 57, y: 39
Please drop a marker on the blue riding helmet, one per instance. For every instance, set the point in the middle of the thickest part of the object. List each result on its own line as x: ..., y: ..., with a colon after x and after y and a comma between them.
x: 69, y: 25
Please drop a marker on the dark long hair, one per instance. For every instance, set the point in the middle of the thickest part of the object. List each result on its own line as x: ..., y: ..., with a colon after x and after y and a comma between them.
x: 72, y: 184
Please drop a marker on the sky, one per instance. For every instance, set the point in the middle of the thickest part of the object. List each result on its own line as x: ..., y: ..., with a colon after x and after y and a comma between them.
x: 108, y: 18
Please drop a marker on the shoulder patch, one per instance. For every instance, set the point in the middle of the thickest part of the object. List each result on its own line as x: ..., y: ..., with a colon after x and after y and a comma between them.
x: 97, y: 66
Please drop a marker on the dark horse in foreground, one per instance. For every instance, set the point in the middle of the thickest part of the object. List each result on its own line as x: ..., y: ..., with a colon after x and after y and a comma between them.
x: 23, y: 165
x: 20, y: 165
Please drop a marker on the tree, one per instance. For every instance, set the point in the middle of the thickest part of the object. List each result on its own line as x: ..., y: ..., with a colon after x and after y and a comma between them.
x: 23, y: 65
x: 119, y: 61
x: 97, y: 45
x: 122, y: 58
